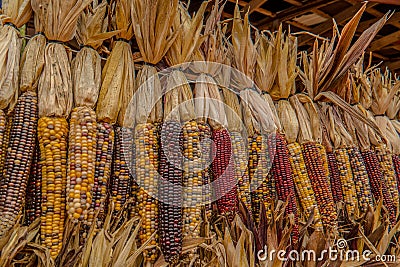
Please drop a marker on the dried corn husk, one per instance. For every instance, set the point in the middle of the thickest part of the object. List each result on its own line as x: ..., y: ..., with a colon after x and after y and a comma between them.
x: 14, y: 15
x: 288, y: 120
x: 266, y: 68
x: 271, y: 104
x: 394, y: 106
x: 315, y: 121
x: 390, y: 133
x: 361, y: 84
x: 374, y: 138
x: 118, y: 76
x: 383, y: 91
x: 86, y: 66
x: 326, y: 140
x: 305, y: 131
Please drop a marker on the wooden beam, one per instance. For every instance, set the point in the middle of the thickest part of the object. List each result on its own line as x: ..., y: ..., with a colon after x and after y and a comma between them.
x: 321, y: 13
x: 227, y: 15
x: 395, y: 18
x: 388, y: 2
x: 384, y: 41
x: 327, y: 25
x: 259, y: 10
x: 299, y: 25
x: 253, y: 5
x: 291, y: 13
x: 294, y: 2
x: 395, y: 65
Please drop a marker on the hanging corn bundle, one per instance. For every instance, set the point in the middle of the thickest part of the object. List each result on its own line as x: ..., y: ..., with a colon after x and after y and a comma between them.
x: 117, y: 89
x: 179, y: 147
x: 83, y: 190
x: 149, y: 114
x: 55, y: 103
x: 18, y: 136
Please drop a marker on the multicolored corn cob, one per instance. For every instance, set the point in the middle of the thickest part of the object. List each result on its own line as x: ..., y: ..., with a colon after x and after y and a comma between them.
x: 33, y: 203
x: 223, y: 173
x: 324, y: 158
x: 396, y: 165
x: 346, y: 180
x: 170, y: 193
x: 361, y: 181
x: 3, y: 141
x: 320, y: 184
x: 21, y: 147
x: 146, y: 169
x: 336, y: 184
x: 303, y: 184
x: 205, y: 162
x: 53, y: 135
x: 256, y: 188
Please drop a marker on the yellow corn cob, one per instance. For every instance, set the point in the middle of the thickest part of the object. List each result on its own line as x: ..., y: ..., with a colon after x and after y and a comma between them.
x: 52, y: 134
x: 255, y: 185
x: 205, y: 162
x: 324, y: 158
x: 303, y: 184
x: 81, y: 162
x: 346, y: 178
x: 146, y: 169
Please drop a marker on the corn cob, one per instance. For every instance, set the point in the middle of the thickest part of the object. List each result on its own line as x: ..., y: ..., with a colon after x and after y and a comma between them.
x: 121, y: 178
x: 223, y: 171
x: 81, y: 162
x: 146, y: 151
x: 386, y: 163
x: 336, y: 185
x: 205, y: 141
x: 396, y: 165
x: 192, y: 179
x: 18, y: 160
x: 282, y: 174
x: 346, y: 179
x: 53, y: 134
x: 256, y: 190
x: 170, y: 193
x: 104, y: 154
x: 378, y: 186
x: 33, y: 204
x: 268, y: 186
x: 3, y: 141
x: 324, y: 158
x: 303, y: 184
x: 241, y: 171
x: 360, y: 175
x: 320, y: 184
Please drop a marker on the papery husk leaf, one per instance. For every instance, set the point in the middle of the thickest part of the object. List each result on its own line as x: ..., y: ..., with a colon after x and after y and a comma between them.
x: 362, y: 133
x: 315, y: 121
x: 117, y: 88
x: 92, y: 26
x: 305, y: 131
x: 10, y: 53
x: 176, y: 85
x: 326, y: 127
x: 153, y: 20
x: 288, y: 119
x: 266, y: 68
x: 233, y: 111
x: 350, y: 127
x: 382, y: 96
x: 396, y: 125
x: 40, y: 8
x: 390, y: 133
x: 271, y: 104
x: 32, y: 63
x: 374, y: 138
x: 55, y: 91
x: 186, y: 104
x: 346, y: 139
x: 394, y: 106
x: 17, y: 12
x: 123, y: 19
x: 86, y: 71
x: 61, y: 18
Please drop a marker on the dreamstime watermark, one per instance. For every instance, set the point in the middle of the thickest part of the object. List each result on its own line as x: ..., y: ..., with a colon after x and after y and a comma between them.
x: 202, y: 107
x: 339, y: 252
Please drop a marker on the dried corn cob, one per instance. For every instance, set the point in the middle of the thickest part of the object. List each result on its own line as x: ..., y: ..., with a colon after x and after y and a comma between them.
x: 256, y: 190
x: 192, y: 179
x: 81, y: 162
x: 170, y: 193
x: 121, y: 179
x: 104, y: 154
x: 206, y: 142
x: 269, y: 192
x: 3, y: 141
x: 146, y: 151
x: 241, y: 171
x: 18, y: 160
x: 303, y: 183
x: 320, y: 184
x: 336, y: 184
x: 282, y: 173
x: 33, y: 204
x: 346, y: 180
x: 53, y: 134
x: 396, y: 165
x: 386, y: 163
x: 361, y: 181
x: 223, y: 170
x: 378, y: 186
x: 324, y: 158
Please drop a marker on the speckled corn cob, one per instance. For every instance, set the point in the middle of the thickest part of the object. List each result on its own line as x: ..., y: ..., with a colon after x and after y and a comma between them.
x: 121, y: 178
x: 303, y: 183
x: 347, y: 181
x: 3, y: 141
x: 324, y: 158
x: 33, y: 203
x: 205, y: 162
x: 378, y: 186
x: 336, y: 184
x: 104, y: 154
x: 241, y: 171
x: 396, y: 165
x: 147, y: 151
x: 20, y: 151
x: 170, y: 193
x: 361, y: 181
x: 320, y: 184
x: 81, y: 162
x: 386, y: 163
x: 53, y: 134
x: 223, y: 170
